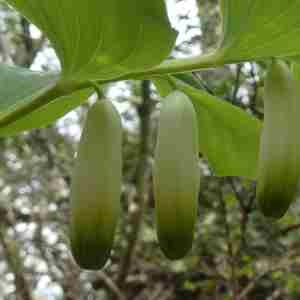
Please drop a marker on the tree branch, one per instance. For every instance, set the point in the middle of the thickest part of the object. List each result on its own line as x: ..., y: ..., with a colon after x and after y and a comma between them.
x: 289, y: 229
x: 230, y: 252
x: 139, y: 195
x: 15, y: 263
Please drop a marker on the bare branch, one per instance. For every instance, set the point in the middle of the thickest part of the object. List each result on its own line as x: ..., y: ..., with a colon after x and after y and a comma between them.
x: 15, y: 262
x: 142, y: 175
x: 109, y: 284
x: 231, y: 258
x: 289, y: 229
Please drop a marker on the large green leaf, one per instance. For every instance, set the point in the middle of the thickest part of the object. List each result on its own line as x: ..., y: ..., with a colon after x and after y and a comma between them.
x: 95, y: 40
x: 47, y: 114
x: 101, y: 39
x: 18, y: 87
x: 252, y: 30
x: 295, y: 68
x: 33, y: 99
x: 228, y: 136
x: 258, y: 29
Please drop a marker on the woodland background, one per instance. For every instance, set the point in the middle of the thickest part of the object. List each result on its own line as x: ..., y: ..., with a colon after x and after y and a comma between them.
x: 237, y: 254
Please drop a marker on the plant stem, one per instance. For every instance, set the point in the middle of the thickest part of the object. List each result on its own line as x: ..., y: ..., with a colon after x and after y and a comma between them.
x: 182, y: 65
x: 141, y: 178
x: 63, y: 88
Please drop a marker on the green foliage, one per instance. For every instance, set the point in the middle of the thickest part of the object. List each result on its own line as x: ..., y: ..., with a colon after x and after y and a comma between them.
x: 227, y: 134
x: 90, y: 50
x: 19, y: 87
x: 234, y: 244
x: 104, y: 39
x: 258, y: 29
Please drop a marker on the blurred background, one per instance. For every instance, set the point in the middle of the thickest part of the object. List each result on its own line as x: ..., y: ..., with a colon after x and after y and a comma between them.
x: 237, y: 253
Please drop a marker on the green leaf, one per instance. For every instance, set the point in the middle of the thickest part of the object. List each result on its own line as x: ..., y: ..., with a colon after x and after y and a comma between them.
x: 32, y: 99
x: 258, y: 29
x: 102, y: 39
x: 252, y: 30
x: 19, y: 87
x: 228, y: 136
x: 46, y: 114
x: 295, y: 68
x: 96, y: 41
